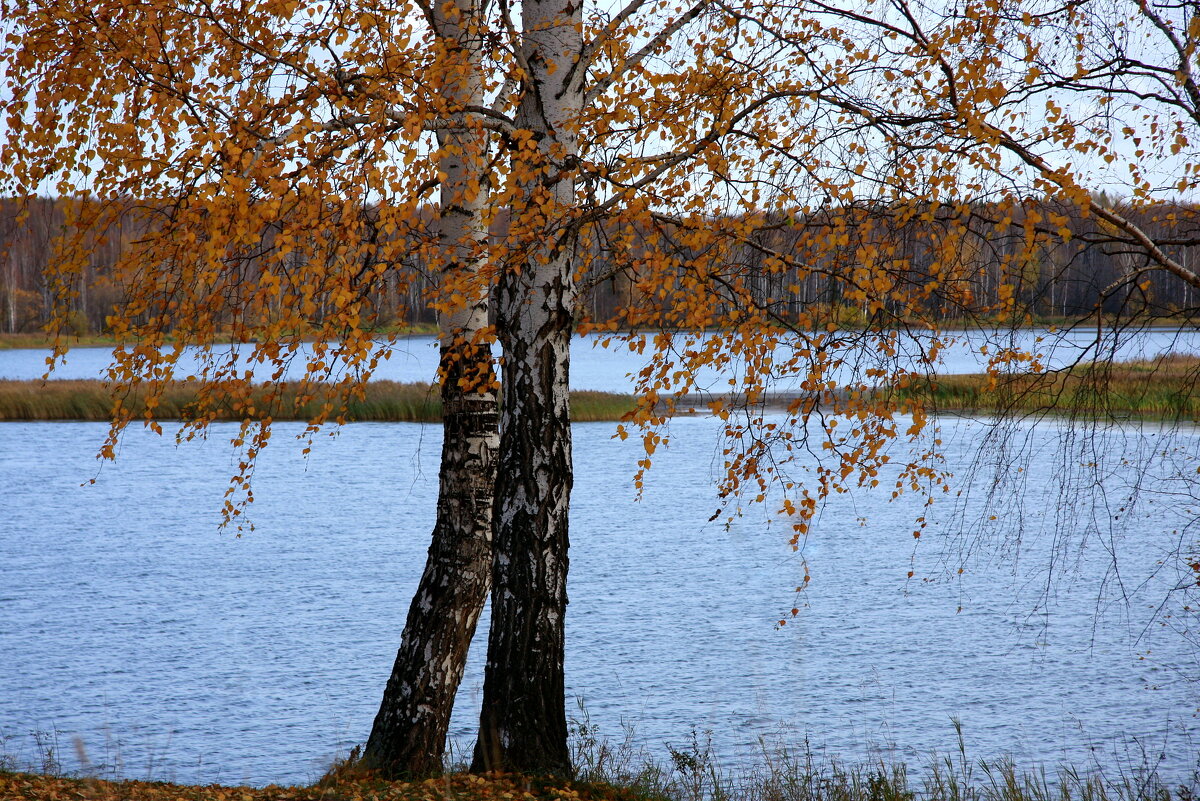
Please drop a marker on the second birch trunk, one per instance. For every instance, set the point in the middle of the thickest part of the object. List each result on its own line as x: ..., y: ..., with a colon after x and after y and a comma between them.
x: 523, y: 724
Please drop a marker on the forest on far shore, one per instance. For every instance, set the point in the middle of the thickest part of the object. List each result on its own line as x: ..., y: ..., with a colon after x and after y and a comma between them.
x: 1076, y: 274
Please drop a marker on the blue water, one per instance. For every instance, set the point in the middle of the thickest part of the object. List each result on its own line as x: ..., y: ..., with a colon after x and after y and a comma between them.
x: 158, y: 646
x: 613, y: 368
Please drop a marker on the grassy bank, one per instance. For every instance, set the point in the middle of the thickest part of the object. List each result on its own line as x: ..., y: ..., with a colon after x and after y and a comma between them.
x: 384, y: 401
x: 455, y: 787
x: 685, y: 780
x: 621, y: 770
x: 1160, y: 389
x: 43, y: 341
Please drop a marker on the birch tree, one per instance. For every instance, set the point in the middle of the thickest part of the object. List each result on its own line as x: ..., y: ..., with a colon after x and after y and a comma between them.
x: 523, y: 726
x: 847, y: 123
x: 718, y: 157
x: 409, y: 734
x: 281, y: 158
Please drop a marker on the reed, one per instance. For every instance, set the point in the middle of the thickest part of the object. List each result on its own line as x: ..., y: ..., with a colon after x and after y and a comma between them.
x: 382, y: 401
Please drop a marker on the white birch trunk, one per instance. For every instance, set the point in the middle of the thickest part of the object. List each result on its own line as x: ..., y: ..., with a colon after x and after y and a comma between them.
x: 409, y: 735
x: 523, y: 721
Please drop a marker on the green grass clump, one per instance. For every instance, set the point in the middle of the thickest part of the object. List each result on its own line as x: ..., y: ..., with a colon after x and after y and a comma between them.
x: 381, y: 401
x: 590, y: 406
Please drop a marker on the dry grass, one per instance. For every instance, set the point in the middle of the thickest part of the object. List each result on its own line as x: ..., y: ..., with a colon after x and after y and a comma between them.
x: 453, y: 787
x: 691, y: 775
x: 382, y: 401
x: 1161, y: 389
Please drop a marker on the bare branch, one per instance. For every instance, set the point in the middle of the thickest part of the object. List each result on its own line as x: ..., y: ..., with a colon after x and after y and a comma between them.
x: 481, y: 116
x: 603, y: 84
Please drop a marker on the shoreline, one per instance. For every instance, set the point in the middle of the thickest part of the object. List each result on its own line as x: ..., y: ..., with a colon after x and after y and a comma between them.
x: 90, y: 400
x: 40, y: 340
x: 1167, y: 389
x: 696, y: 776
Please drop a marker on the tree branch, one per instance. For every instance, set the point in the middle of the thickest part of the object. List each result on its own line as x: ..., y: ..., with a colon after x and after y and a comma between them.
x: 603, y: 84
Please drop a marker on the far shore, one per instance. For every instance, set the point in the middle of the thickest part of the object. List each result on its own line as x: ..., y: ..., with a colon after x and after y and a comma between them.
x: 1166, y: 388
x: 41, y: 339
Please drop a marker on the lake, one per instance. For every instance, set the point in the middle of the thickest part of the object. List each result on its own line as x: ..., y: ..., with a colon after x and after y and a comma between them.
x: 609, y: 369
x: 159, y: 647
x: 175, y: 651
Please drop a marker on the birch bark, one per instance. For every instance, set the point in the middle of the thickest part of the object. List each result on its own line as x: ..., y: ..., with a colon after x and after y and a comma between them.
x: 523, y: 721
x: 408, y: 738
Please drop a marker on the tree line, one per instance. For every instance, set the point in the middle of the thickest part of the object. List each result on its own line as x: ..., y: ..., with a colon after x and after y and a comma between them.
x: 1067, y: 278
